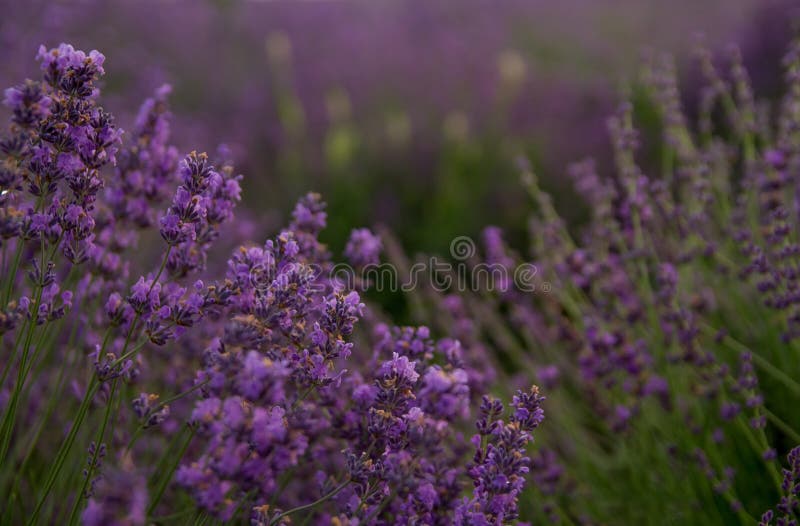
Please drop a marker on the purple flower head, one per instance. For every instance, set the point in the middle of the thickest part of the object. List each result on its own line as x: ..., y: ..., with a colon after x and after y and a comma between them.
x: 445, y: 394
x: 363, y: 248
x: 28, y: 103
x: 501, y: 464
x: 309, y: 214
x: 152, y: 121
x: 205, y: 199
x: 548, y: 376
x: 145, y: 296
x: 413, y: 342
x: 120, y: 498
x: 207, y: 410
x: 528, y: 408
x: 786, y: 509
x: 72, y: 70
x: 399, y: 368
x: 149, y: 411
x: 490, y: 411
x: 269, y: 427
x: 730, y: 410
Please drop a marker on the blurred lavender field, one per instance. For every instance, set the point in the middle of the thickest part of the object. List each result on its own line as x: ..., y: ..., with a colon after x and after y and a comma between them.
x: 404, y: 113
x: 613, y: 338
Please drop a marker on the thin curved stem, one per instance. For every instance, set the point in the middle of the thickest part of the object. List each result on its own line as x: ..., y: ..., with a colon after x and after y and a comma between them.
x: 759, y: 360
x: 311, y: 505
x: 166, y: 402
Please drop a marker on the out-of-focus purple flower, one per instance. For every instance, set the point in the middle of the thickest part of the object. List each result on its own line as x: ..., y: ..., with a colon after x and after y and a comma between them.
x: 148, y: 410
x: 548, y: 376
x: 120, y: 499
x: 363, y: 248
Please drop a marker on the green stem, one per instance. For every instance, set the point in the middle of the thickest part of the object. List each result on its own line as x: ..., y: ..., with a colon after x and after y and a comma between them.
x: 183, y: 394
x: 12, y: 358
x: 13, y: 273
x: 242, y: 501
x: 311, y: 505
x: 67, y: 444
x: 18, y: 257
x: 782, y: 425
x: 98, y: 444
x: 760, y: 361
x: 11, y: 412
x: 61, y: 456
x: 166, y: 402
x: 93, y: 386
x: 759, y: 449
x: 160, y: 269
x: 302, y: 397
x: 38, y: 346
x: 167, y: 475
x: 376, y: 511
x: 34, y: 439
x: 54, y: 396
x: 172, y: 516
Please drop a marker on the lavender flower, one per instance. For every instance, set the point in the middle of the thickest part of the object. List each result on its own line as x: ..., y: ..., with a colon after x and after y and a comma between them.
x: 500, y: 463
x: 363, y: 248
x: 787, y: 509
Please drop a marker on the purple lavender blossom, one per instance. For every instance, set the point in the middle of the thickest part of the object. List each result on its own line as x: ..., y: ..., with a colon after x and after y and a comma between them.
x: 500, y: 462
x: 363, y: 248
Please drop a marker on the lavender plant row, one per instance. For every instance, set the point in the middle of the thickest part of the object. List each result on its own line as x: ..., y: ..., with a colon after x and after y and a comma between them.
x: 337, y: 112
x: 140, y: 385
x: 665, y: 333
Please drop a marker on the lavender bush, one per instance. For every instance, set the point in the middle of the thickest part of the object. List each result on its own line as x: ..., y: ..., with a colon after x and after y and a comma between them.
x: 145, y: 383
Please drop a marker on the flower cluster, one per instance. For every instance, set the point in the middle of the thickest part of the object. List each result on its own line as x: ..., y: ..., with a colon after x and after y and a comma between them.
x: 500, y: 460
x: 204, y: 199
x: 59, y: 141
x: 789, y: 505
x: 74, y: 193
x: 290, y: 402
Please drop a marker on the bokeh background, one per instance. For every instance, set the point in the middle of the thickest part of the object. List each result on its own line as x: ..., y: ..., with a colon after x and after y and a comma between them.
x: 404, y: 113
